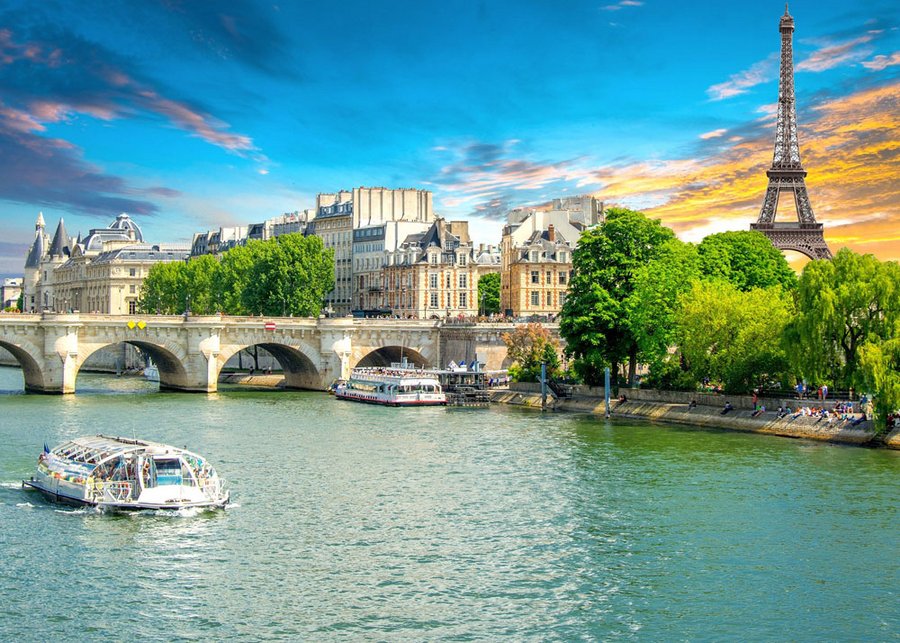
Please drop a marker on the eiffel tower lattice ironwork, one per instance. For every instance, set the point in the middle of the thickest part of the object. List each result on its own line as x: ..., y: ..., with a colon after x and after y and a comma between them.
x: 787, y: 174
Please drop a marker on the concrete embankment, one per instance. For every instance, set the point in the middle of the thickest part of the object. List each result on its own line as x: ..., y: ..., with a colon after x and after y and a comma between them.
x: 674, y: 407
x: 274, y: 380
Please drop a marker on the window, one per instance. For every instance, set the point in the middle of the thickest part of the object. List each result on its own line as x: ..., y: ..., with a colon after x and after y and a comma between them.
x: 549, y: 278
x: 132, y: 307
x: 534, y: 256
x: 463, y: 300
x: 131, y: 272
x: 434, y: 300
x: 433, y: 280
x: 447, y: 281
x: 462, y: 260
x: 562, y: 299
x: 131, y: 289
x: 563, y: 275
x: 535, y: 298
x: 464, y: 281
x: 535, y: 277
x: 434, y: 258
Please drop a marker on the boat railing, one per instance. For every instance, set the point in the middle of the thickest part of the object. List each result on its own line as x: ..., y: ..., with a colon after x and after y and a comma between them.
x: 116, y: 490
x: 212, y: 487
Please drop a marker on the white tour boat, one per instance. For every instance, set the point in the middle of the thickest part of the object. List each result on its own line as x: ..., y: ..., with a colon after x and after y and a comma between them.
x: 151, y: 372
x: 392, y: 387
x: 121, y: 473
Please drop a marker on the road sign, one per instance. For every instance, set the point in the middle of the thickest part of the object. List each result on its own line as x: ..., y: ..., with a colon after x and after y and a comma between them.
x: 270, y: 325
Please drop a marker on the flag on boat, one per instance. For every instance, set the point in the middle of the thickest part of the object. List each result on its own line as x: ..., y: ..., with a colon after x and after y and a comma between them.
x: 46, y: 448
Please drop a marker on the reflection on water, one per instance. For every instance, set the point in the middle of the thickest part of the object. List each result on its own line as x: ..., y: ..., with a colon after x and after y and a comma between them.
x: 353, y: 521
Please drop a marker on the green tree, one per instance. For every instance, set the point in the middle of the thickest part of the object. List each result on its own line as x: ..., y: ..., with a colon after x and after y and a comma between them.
x: 529, y: 345
x: 734, y: 337
x: 594, y: 319
x: 879, y: 364
x: 20, y: 304
x: 231, y: 278
x: 163, y: 291
x: 290, y: 275
x: 653, y: 303
x: 747, y: 259
x: 489, y: 294
x: 842, y: 304
x: 199, y: 280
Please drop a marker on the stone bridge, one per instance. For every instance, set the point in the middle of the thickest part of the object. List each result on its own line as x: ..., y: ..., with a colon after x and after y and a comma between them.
x: 191, y: 352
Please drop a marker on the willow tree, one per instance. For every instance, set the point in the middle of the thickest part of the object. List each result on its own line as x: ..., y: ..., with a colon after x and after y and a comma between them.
x: 842, y: 304
x: 595, y: 317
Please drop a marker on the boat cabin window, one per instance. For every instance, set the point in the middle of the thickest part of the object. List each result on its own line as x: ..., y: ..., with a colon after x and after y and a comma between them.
x: 168, y: 472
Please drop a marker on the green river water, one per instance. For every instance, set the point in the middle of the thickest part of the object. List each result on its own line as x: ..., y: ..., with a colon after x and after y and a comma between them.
x: 356, y: 522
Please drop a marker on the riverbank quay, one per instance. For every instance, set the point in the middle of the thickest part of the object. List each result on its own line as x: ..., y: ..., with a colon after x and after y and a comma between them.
x: 676, y: 407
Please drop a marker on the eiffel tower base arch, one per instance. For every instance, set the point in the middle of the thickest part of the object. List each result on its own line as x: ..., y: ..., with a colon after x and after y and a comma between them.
x: 805, y: 238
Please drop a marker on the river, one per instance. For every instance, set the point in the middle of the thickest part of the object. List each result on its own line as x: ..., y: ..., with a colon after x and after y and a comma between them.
x: 360, y: 522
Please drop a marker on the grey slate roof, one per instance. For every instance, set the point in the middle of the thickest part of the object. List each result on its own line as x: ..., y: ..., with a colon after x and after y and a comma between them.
x: 61, y: 246
x: 37, y: 250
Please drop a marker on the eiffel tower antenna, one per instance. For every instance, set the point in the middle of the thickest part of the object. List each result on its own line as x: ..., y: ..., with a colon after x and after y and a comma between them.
x: 787, y: 174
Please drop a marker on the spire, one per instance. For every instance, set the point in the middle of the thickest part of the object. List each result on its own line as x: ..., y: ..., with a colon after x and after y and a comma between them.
x: 60, y: 245
x: 36, y: 252
x: 39, y: 224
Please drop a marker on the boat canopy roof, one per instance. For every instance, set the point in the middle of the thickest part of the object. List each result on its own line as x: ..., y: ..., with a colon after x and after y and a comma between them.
x: 99, y: 448
x: 377, y: 378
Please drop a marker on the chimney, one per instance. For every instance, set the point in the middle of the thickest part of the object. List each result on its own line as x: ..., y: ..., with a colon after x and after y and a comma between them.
x: 551, y: 233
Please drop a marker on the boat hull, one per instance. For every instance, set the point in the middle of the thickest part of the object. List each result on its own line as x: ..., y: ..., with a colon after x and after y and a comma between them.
x: 61, y: 497
x: 391, y: 402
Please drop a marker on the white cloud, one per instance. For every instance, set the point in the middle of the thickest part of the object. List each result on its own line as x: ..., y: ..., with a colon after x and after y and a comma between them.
x: 716, y: 133
x: 739, y: 83
x: 882, y: 62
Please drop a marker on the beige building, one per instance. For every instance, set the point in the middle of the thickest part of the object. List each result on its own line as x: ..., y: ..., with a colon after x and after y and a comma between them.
x: 536, y: 255
x: 10, y: 290
x: 362, y: 226
x: 435, y: 274
x: 101, y: 274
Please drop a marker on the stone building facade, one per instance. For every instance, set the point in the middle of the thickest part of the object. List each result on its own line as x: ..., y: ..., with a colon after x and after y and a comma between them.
x: 435, y: 274
x: 536, y: 255
x: 102, y: 273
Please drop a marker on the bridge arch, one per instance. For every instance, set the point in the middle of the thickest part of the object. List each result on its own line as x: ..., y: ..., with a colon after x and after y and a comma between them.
x: 31, y: 361
x: 298, y: 362
x: 387, y: 355
x: 169, y: 360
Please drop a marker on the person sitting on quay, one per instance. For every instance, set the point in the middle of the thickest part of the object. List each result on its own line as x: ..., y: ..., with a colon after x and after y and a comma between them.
x: 728, y: 407
x: 622, y: 399
x: 692, y: 405
x: 759, y: 411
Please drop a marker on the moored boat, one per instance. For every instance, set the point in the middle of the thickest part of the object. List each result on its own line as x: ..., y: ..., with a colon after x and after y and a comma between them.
x: 392, y: 387
x: 121, y: 473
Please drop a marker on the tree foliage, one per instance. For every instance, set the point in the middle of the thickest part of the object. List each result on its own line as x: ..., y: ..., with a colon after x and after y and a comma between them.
x: 879, y: 366
x: 489, y: 294
x: 745, y: 258
x: 594, y: 319
x: 653, y: 304
x: 163, y: 290
x: 732, y: 336
x: 529, y: 345
x: 287, y: 275
x: 842, y: 304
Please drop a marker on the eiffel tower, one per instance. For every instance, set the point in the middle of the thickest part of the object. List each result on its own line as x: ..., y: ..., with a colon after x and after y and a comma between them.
x: 787, y: 173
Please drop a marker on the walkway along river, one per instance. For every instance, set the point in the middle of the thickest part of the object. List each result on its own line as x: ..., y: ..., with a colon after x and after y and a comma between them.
x: 354, y: 521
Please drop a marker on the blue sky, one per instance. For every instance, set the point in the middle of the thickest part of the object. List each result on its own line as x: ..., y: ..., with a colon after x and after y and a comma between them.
x: 191, y: 115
